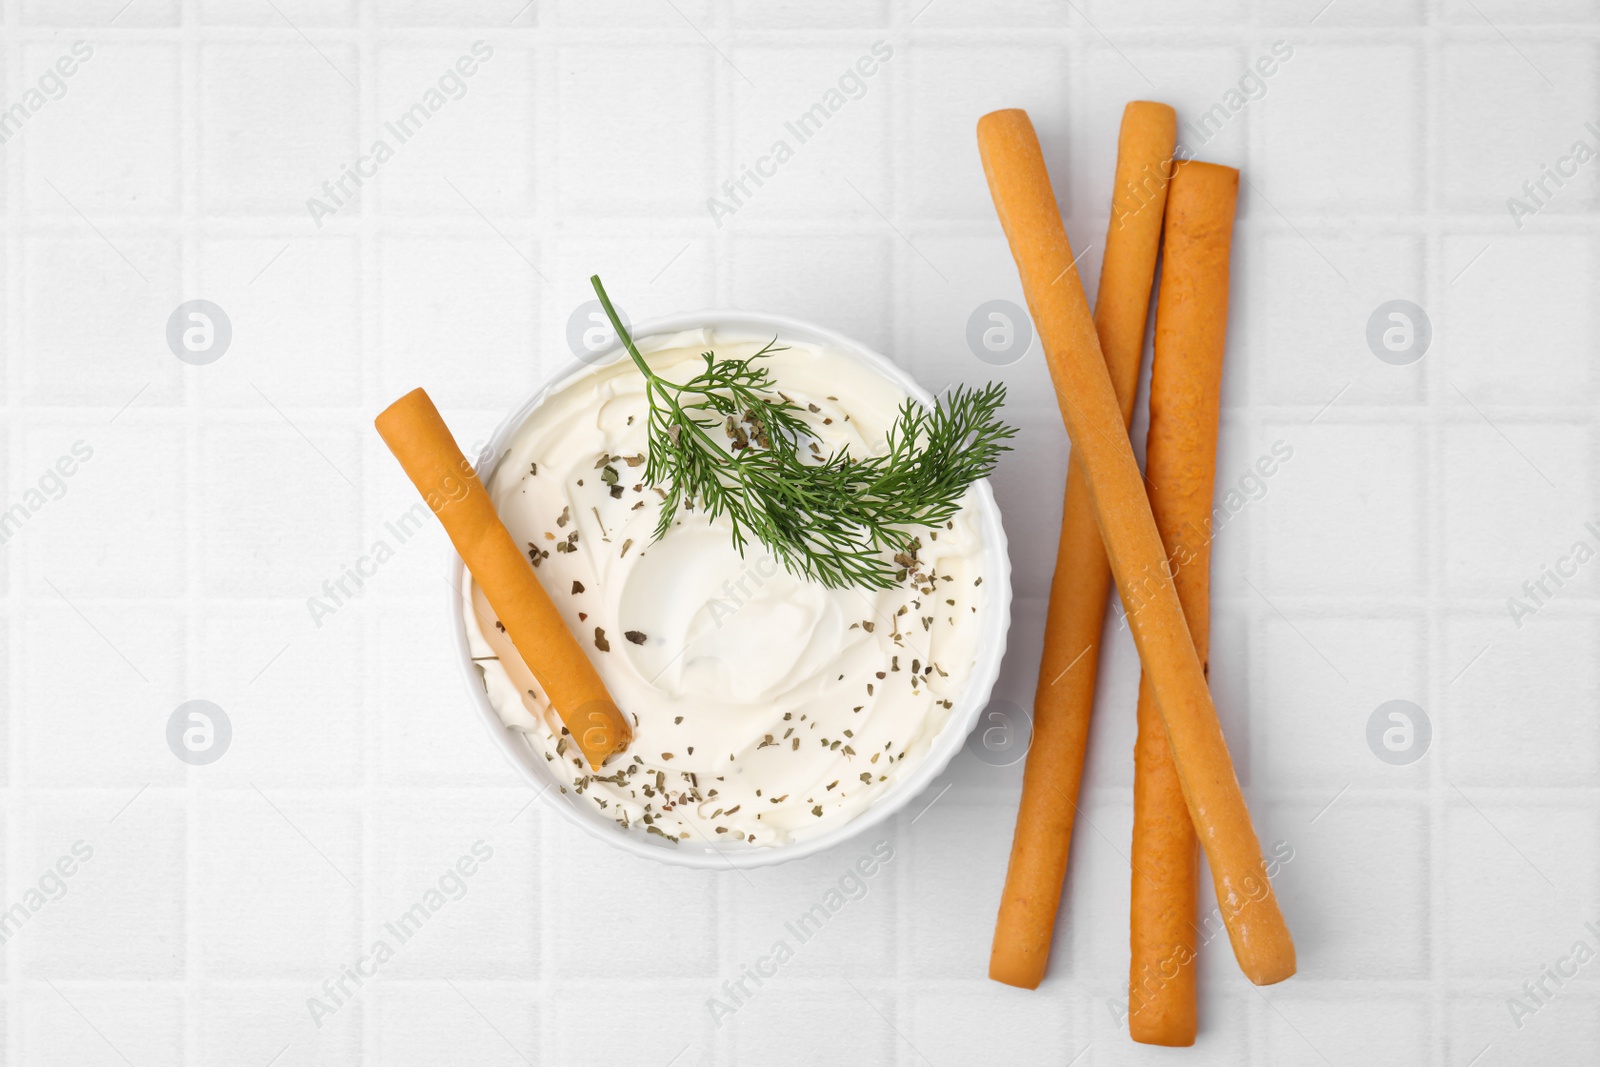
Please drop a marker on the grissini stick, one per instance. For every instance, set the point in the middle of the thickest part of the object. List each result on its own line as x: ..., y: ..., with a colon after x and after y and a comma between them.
x: 420, y: 440
x: 1026, y: 205
x: 1064, y: 697
x: 1181, y: 471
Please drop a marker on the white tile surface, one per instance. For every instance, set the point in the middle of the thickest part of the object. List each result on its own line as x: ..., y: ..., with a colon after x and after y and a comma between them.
x: 1376, y: 564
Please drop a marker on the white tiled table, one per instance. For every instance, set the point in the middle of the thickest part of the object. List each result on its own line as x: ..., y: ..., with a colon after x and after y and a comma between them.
x: 177, y: 561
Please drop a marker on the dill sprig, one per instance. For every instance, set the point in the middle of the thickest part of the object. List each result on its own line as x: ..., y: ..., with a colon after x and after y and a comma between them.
x: 837, y: 519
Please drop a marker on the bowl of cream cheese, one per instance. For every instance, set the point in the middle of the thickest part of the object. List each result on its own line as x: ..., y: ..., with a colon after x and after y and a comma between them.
x: 773, y: 717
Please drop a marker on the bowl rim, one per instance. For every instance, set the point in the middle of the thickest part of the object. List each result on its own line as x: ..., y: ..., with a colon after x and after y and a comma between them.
x: 943, y: 748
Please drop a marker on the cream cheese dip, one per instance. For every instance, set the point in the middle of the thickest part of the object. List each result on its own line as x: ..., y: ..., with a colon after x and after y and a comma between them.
x: 767, y: 708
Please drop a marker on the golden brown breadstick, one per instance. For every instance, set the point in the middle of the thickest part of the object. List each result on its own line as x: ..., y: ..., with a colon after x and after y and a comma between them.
x: 1180, y: 469
x: 420, y: 440
x: 1064, y: 696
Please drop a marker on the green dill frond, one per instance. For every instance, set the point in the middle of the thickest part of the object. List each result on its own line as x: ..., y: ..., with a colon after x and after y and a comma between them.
x: 728, y: 443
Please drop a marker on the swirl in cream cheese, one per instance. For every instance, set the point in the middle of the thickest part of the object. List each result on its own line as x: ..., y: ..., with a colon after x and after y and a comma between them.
x: 768, y: 708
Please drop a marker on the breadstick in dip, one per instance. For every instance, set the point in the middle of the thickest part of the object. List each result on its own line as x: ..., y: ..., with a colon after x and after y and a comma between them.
x: 420, y: 440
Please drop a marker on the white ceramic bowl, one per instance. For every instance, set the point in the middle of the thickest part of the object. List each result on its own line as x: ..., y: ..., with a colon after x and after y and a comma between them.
x: 996, y: 620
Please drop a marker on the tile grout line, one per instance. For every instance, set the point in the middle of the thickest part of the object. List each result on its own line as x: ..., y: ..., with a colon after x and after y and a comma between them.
x: 372, y: 626
x: 10, y: 478
x: 189, y: 199
x: 1433, y: 626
